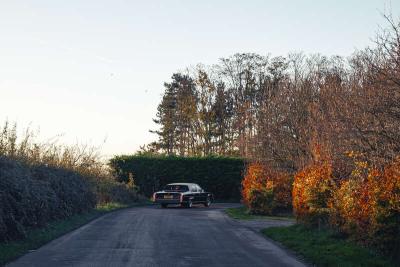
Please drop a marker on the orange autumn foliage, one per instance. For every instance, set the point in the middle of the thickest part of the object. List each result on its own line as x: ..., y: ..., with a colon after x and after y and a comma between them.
x: 352, y: 204
x: 367, y: 206
x: 266, y: 191
x: 390, y: 186
x: 312, y: 192
x: 364, y: 206
x: 386, y: 229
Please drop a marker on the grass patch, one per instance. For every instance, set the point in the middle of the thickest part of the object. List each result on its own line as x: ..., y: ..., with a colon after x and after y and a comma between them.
x: 38, y: 237
x: 323, y: 248
x: 243, y: 214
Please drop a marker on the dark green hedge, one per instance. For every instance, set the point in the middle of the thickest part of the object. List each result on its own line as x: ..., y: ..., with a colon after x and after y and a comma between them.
x: 220, y: 175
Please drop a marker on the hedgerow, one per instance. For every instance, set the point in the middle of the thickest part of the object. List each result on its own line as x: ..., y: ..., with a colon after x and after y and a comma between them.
x: 266, y: 191
x: 41, y: 182
x: 33, y: 196
x: 220, y: 175
x: 313, y: 188
x: 365, y: 206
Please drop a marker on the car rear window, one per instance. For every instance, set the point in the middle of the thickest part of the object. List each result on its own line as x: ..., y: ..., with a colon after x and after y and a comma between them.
x: 180, y: 188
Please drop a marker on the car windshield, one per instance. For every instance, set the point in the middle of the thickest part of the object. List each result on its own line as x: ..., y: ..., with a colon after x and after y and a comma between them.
x: 176, y: 187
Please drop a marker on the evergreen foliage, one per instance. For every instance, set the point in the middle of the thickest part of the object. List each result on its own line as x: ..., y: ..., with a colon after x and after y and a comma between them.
x: 221, y: 176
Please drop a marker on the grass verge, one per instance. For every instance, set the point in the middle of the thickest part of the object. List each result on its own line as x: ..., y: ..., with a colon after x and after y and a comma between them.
x: 323, y: 248
x: 35, y: 238
x: 243, y: 214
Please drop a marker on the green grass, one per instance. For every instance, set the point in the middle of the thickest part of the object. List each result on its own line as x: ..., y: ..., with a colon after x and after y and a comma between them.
x: 323, y: 248
x: 242, y: 214
x: 38, y: 237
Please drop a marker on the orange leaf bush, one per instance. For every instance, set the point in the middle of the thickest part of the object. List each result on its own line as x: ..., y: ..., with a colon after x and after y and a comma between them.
x: 266, y: 191
x: 352, y: 205
x: 313, y: 188
x: 366, y: 207
x: 386, y: 226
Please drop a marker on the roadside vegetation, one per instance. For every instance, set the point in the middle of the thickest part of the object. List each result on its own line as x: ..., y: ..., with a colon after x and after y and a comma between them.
x: 266, y: 191
x: 315, y: 135
x: 320, y: 135
x: 47, y: 185
x: 220, y: 175
x: 242, y: 213
x: 324, y: 248
x: 37, y: 237
x: 276, y: 109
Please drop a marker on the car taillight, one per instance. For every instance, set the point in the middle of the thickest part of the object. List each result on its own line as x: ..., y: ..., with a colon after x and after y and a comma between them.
x: 181, y: 198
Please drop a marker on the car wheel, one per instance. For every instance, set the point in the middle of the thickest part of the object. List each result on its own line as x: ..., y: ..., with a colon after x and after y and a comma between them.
x: 207, y: 203
x: 164, y: 206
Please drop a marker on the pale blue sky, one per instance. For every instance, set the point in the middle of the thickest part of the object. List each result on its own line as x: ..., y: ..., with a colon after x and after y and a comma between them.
x: 95, y: 69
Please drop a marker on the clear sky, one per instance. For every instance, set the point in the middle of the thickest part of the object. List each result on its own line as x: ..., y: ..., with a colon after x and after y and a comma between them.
x: 94, y: 70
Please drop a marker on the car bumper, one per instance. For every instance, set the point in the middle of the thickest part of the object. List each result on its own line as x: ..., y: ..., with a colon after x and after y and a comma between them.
x: 168, y: 201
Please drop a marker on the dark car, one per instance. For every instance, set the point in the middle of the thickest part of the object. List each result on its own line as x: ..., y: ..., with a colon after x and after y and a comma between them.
x: 184, y: 194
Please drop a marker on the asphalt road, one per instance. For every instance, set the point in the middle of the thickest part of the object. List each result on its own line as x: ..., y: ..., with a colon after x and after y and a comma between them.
x: 151, y: 236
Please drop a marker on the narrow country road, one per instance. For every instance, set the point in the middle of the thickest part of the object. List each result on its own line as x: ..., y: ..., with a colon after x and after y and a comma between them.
x: 151, y: 236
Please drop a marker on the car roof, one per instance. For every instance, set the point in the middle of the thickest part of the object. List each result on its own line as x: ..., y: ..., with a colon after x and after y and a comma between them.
x: 182, y: 184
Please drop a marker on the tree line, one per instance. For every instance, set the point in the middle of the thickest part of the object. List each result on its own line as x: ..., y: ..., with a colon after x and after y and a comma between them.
x: 277, y: 109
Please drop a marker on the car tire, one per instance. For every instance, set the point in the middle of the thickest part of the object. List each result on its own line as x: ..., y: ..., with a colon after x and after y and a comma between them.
x: 207, y: 203
x: 163, y: 206
x: 189, y: 204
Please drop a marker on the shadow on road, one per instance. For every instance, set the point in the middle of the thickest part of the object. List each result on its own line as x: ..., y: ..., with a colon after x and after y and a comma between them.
x: 200, y: 207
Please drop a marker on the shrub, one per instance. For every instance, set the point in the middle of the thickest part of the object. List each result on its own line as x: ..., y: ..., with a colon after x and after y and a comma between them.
x: 351, y: 206
x: 32, y: 196
x: 312, y: 193
x: 110, y: 191
x: 365, y: 206
x: 266, y: 191
x: 386, y: 232
x: 40, y: 182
